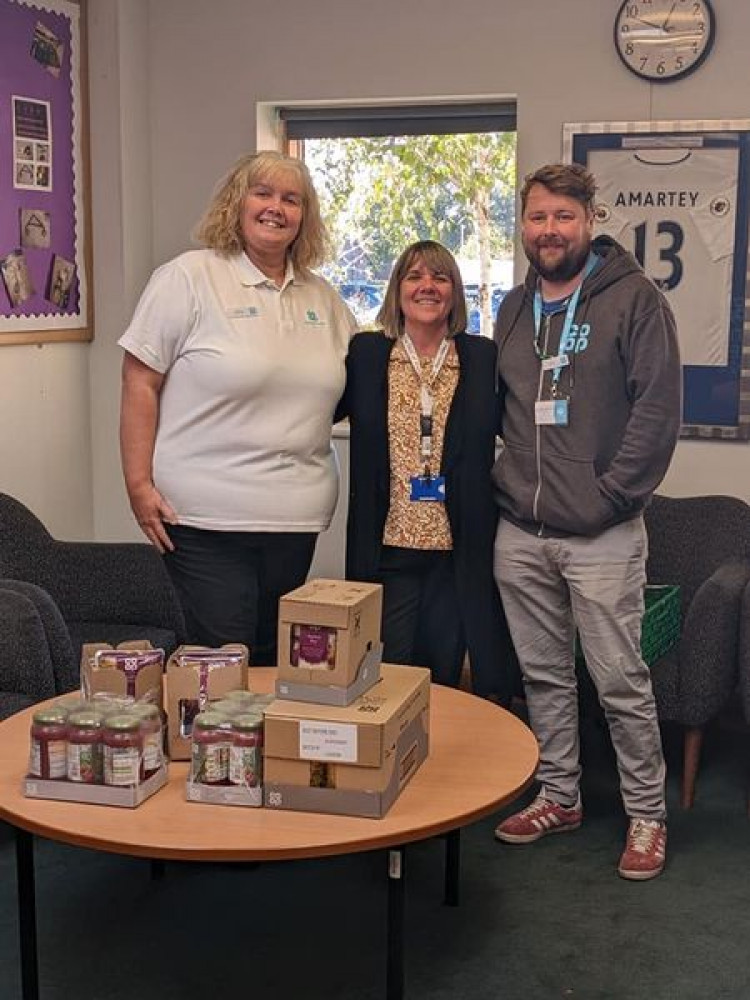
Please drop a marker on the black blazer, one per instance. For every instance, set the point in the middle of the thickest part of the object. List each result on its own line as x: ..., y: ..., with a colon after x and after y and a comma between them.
x: 468, y: 456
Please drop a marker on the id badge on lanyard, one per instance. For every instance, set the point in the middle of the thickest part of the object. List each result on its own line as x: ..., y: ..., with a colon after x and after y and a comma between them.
x: 555, y: 411
x: 426, y: 487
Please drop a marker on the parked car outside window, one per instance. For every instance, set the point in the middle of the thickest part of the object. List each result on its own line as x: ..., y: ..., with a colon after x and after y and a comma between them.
x: 364, y: 298
x: 472, y: 305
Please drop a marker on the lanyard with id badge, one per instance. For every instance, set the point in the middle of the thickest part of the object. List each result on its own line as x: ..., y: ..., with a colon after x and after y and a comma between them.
x: 555, y: 410
x: 426, y: 487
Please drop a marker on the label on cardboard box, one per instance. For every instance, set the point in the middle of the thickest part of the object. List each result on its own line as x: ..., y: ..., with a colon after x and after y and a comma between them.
x: 379, y: 716
x: 313, y: 647
x: 328, y: 741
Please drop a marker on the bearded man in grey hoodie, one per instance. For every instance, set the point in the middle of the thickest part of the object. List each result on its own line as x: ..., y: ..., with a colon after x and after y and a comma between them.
x: 587, y: 352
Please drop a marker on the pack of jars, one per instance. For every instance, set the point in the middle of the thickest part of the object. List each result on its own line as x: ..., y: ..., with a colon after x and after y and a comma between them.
x: 227, y: 742
x: 101, y: 741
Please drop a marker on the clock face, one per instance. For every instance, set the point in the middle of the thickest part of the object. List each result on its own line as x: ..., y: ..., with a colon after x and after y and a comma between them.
x: 663, y: 40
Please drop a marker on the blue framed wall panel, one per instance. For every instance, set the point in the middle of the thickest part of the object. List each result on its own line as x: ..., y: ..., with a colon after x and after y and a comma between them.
x: 676, y: 195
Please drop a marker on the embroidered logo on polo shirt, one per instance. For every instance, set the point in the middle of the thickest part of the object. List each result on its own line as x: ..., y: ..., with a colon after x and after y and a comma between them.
x: 312, y: 317
x: 243, y: 312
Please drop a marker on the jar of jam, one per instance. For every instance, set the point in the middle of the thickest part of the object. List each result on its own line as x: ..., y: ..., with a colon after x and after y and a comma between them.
x: 123, y: 750
x: 227, y: 706
x: 246, y: 751
x: 49, y: 743
x: 73, y: 703
x: 210, y: 748
x: 153, y: 737
x: 313, y: 647
x: 240, y: 697
x: 85, y: 752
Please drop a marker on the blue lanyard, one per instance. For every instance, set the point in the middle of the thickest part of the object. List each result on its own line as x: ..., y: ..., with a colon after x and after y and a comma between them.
x: 570, y: 312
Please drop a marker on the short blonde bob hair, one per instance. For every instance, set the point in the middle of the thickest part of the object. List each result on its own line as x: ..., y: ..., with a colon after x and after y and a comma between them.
x: 220, y: 229
x: 438, y: 260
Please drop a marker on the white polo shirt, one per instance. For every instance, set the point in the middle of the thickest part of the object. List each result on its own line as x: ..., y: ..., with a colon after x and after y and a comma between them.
x: 253, y: 375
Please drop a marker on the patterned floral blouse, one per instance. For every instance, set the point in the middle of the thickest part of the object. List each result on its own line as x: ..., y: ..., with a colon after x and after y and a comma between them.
x: 421, y: 525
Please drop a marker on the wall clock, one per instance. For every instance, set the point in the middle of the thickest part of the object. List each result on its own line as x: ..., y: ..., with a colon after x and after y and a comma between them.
x: 664, y: 40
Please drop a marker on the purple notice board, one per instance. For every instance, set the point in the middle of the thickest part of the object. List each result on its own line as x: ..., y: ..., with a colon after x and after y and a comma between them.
x: 44, y: 272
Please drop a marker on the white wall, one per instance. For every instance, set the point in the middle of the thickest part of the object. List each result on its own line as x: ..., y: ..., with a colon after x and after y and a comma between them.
x: 122, y: 210
x: 175, y: 85
x: 45, y: 442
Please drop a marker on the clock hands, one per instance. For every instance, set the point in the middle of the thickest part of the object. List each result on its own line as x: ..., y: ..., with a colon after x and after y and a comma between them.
x: 651, y: 24
x: 668, y: 18
x: 663, y: 25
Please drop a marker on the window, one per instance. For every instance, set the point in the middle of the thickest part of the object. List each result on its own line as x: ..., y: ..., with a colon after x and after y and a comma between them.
x: 387, y: 176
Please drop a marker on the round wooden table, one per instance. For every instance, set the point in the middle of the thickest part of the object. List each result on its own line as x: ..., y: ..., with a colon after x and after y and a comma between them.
x: 480, y: 758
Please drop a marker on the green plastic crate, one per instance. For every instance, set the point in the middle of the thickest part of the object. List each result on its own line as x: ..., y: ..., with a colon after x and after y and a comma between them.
x: 661, y: 622
x: 660, y: 629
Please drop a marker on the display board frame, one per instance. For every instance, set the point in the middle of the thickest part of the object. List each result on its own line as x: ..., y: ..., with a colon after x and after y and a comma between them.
x: 716, y: 395
x: 45, y: 229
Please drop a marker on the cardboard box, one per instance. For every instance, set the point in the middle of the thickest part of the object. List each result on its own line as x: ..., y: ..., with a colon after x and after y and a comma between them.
x: 326, y: 630
x: 352, y: 760
x: 102, y: 795
x: 195, y: 676
x: 120, y: 674
x: 331, y: 694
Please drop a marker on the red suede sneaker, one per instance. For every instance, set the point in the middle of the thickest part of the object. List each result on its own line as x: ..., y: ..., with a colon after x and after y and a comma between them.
x: 537, y: 820
x: 645, y: 850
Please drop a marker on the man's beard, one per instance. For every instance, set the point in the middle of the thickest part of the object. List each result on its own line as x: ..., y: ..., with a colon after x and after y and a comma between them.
x: 569, y: 265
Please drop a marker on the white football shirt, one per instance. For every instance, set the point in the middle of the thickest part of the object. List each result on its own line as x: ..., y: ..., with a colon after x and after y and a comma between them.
x: 676, y: 209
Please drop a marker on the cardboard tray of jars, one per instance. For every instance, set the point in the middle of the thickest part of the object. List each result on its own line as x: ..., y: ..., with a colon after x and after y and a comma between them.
x: 226, y: 752
x: 220, y: 795
x: 99, y: 753
x: 104, y: 795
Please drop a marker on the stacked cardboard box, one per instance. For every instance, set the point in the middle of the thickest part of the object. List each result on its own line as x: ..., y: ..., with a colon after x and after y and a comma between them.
x: 329, y: 641
x: 354, y: 759
x: 346, y: 733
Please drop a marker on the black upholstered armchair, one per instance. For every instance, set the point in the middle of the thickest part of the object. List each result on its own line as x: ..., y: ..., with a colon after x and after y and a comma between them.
x: 703, y: 545
x: 105, y: 591
x: 744, y: 661
x: 36, y: 656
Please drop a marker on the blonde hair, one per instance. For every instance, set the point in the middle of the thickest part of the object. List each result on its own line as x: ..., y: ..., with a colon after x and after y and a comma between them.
x: 437, y: 259
x: 220, y: 229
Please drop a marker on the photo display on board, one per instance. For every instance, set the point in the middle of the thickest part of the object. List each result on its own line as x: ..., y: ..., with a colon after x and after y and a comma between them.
x: 42, y: 223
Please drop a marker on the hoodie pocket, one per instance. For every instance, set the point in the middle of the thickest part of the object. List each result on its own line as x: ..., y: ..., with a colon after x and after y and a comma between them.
x: 515, y: 476
x: 570, y: 498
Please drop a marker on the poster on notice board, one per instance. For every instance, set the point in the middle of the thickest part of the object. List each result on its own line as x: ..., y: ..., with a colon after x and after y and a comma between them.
x: 44, y: 273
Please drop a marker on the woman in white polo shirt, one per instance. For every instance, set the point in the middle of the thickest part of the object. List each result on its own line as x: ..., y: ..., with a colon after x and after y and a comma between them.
x: 233, y: 365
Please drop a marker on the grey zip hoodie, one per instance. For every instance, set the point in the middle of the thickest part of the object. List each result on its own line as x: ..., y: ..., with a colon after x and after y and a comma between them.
x: 624, y: 387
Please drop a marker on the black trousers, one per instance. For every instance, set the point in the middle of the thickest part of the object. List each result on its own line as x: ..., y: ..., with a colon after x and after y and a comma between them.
x: 422, y: 622
x: 230, y: 582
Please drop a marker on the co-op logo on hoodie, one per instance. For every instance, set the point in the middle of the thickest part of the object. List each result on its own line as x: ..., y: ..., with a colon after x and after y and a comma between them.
x: 577, y: 339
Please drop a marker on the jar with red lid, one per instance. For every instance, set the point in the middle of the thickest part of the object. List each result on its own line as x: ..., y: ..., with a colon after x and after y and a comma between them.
x: 85, y: 759
x: 210, y: 748
x: 153, y: 737
x: 49, y: 743
x: 123, y: 750
x: 246, y: 751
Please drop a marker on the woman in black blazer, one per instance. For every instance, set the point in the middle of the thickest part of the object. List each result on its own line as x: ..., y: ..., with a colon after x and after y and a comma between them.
x: 423, y: 404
